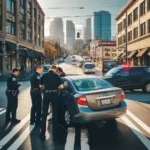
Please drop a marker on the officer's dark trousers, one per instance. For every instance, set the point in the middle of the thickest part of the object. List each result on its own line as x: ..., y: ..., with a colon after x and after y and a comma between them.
x: 12, y: 104
x: 53, y: 99
x: 36, y: 107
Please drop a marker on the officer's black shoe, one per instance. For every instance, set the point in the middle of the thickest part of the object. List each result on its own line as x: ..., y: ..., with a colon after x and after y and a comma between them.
x: 7, y: 120
x: 15, y: 121
x: 42, y: 136
x: 32, y: 122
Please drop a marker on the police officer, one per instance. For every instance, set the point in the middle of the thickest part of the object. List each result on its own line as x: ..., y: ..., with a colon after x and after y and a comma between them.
x: 12, y: 96
x: 36, y: 96
x: 60, y: 72
x: 50, y: 82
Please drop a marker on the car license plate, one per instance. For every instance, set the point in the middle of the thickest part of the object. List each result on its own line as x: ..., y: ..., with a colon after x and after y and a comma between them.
x: 106, y: 102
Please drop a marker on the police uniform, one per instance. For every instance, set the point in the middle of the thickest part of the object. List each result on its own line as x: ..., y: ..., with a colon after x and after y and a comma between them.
x: 51, y: 82
x: 62, y: 75
x: 12, y: 98
x: 36, y: 98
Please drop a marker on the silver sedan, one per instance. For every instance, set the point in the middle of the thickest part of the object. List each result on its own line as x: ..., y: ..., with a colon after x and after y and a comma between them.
x: 94, y: 100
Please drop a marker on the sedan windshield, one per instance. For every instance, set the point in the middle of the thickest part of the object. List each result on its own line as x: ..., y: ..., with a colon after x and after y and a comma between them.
x: 89, y: 66
x: 90, y: 84
x: 112, y: 72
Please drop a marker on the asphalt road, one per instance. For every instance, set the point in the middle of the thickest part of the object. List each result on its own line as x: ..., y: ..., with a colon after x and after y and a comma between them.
x: 130, y: 132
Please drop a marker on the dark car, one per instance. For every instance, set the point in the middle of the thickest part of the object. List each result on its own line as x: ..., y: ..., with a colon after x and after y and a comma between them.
x: 130, y: 78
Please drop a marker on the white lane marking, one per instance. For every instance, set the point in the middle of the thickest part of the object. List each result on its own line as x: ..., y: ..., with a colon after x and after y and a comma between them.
x: 137, y: 132
x: 84, y: 140
x: 139, y: 122
x: 21, y: 138
x: 70, y: 139
x: 2, y: 112
x: 16, y: 129
x: 1, y: 109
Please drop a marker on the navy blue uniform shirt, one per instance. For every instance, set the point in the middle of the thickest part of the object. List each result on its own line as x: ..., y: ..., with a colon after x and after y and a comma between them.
x: 12, y: 83
x: 35, y: 80
x: 51, y: 81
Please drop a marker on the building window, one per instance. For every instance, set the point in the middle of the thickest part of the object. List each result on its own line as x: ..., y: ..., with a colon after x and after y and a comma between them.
x: 119, y: 27
x: 22, y: 31
x: 129, y: 36
x: 39, y: 30
x: 135, y: 14
x: 10, y: 6
x: 130, y: 19
x: 29, y: 35
x: 35, y: 26
x: 120, y: 41
x: 142, y: 8
x: 22, y: 3
x: 35, y: 40
x: 135, y: 33
x: 143, y: 29
x: 35, y: 14
x: 149, y: 26
x: 123, y: 39
x: 10, y: 28
x: 148, y: 5
x: 124, y: 24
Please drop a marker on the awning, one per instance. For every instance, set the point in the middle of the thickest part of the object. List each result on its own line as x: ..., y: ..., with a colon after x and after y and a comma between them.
x: 142, y: 52
x: 30, y: 53
x: 22, y: 53
x: 43, y: 55
x: 120, y: 55
x: 124, y: 54
x: 132, y: 54
x: 10, y: 46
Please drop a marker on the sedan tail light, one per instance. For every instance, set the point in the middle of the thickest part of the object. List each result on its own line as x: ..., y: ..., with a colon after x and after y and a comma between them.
x: 122, y: 95
x: 82, y: 100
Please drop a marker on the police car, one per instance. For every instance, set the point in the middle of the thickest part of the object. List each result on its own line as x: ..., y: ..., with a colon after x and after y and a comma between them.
x: 130, y: 78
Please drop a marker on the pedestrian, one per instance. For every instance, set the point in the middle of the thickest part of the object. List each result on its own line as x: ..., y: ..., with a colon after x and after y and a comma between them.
x: 36, y: 96
x: 60, y: 72
x: 22, y: 69
x: 12, y: 92
x: 50, y: 82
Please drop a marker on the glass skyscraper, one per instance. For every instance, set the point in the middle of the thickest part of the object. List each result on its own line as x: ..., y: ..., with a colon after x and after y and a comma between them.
x: 101, y: 26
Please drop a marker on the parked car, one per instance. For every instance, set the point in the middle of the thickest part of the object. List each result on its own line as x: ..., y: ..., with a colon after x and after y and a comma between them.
x: 61, y: 60
x: 74, y: 61
x: 94, y: 100
x: 83, y: 62
x: 88, y: 68
x: 86, y: 57
x: 129, y: 78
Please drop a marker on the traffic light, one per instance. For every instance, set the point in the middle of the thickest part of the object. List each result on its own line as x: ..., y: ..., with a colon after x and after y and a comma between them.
x: 78, y: 34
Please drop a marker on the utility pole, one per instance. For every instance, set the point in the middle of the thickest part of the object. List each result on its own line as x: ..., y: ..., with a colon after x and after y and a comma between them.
x: 126, y: 47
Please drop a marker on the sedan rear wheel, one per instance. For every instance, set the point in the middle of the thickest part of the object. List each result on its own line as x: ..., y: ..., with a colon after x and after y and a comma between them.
x: 147, y: 87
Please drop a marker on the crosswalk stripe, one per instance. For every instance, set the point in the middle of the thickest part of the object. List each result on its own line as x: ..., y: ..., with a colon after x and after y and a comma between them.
x: 1, y: 109
x: 21, y: 138
x: 16, y: 129
x: 2, y: 112
x: 137, y: 132
x: 70, y: 139
x: 139, y: 122
x: 84, y: 140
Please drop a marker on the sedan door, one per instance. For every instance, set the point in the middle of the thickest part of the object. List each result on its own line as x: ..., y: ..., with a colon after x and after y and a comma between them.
x: 136, y: 76
x: 122, y: 78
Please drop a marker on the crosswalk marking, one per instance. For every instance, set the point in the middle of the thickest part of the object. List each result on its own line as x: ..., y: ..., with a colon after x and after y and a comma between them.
x: 2, y: 112
x: 137, y: 132
x: 1, y: 109
x: 21, y: 138
x: 70, y: 139
x: 84, y: 140
x: 139, y: 122
x: 16, y: 129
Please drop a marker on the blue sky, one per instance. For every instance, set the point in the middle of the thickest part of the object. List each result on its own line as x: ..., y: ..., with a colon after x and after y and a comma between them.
x: 90, y: 6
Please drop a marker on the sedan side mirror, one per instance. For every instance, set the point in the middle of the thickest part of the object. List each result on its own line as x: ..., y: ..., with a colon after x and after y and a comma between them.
x: 118, y: 75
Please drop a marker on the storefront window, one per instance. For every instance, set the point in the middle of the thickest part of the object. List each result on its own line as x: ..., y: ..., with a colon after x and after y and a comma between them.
x: 13, y: 61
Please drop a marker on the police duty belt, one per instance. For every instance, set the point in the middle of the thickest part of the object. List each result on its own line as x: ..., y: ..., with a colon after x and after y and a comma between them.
x: 13, y: 92
x: 50, y: 91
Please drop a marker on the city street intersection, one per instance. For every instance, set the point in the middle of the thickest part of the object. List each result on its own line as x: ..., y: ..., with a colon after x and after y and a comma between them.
x: 130, y: 132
